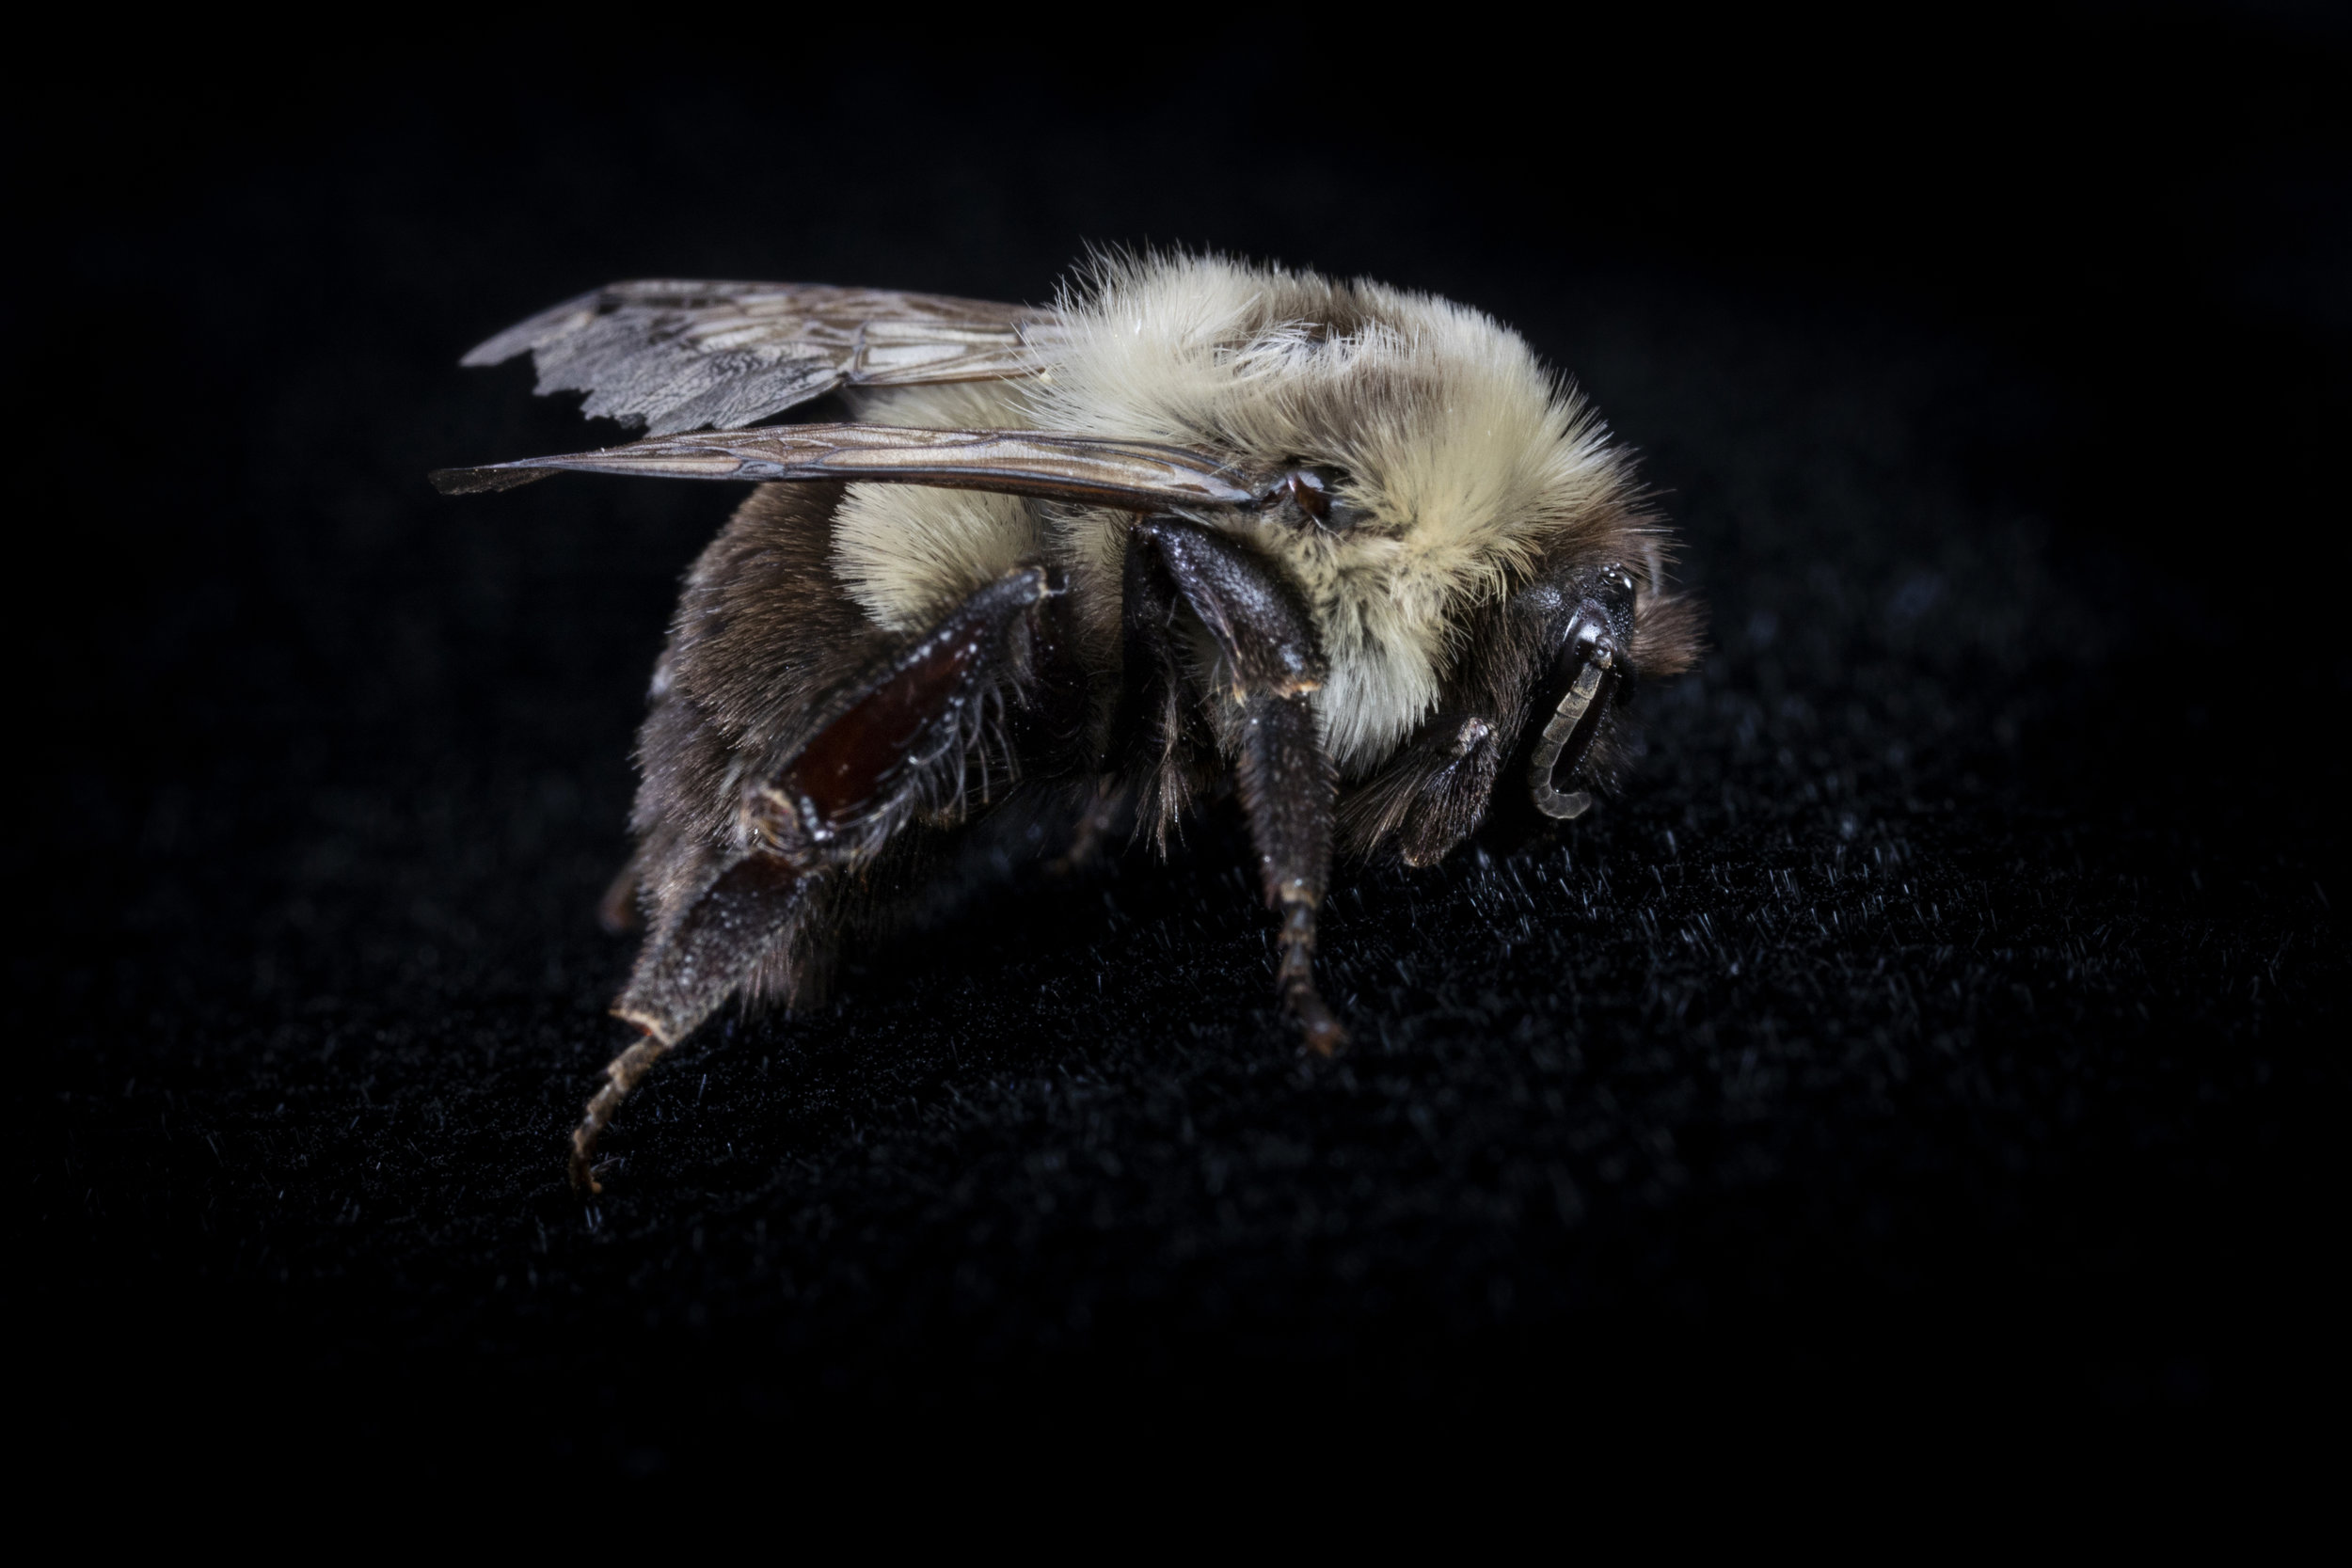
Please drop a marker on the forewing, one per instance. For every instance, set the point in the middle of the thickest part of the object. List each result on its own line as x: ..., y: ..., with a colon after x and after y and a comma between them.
x: 675, y: 356
x: 1142, y: 476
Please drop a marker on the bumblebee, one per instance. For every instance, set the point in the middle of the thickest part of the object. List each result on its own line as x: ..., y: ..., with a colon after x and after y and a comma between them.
x: 1352, y: 552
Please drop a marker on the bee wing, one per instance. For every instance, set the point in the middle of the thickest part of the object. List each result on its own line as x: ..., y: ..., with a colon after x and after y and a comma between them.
x: 1136, y: 475
x: 673, y: 356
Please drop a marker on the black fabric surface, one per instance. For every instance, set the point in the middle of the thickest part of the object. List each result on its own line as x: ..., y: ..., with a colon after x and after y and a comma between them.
x: 1948, y: 1018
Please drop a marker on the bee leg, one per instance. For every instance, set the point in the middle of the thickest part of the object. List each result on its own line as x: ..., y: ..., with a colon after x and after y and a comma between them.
x: 1436, y: 790
x: 686, y: 973
x: 1154, y: 735
x: 621, y: 1075
x: 892, y: 746
x: 1272, y: 659
x: 1288, y: 789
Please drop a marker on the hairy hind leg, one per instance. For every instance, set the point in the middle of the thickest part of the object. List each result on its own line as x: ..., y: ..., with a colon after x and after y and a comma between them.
x: 896, y: 744
x: 687, y: 971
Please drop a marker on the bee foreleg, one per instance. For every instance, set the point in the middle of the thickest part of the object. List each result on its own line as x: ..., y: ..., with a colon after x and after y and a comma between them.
x: 1433, y: 794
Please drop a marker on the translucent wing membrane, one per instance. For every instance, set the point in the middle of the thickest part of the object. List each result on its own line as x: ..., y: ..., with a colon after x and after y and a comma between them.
x: 675, y: 356
x: 1140, y: 475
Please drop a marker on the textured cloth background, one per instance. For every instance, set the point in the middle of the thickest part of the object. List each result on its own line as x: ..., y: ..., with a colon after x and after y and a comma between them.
x: 1948, y: 1018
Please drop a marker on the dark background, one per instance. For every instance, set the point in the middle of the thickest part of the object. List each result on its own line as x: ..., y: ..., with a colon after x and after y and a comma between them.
x: 1947, y: 1022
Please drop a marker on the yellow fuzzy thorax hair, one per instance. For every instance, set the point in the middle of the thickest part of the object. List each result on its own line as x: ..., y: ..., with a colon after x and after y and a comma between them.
x: 1467, y: 461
